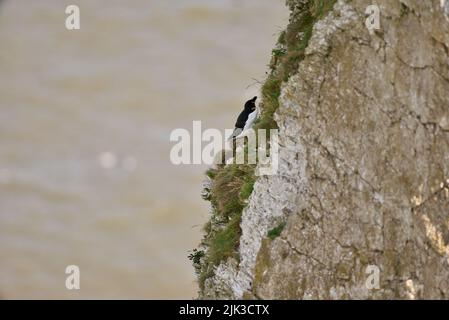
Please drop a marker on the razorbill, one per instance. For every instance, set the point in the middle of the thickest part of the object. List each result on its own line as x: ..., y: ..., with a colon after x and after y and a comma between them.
x: 246, y: 118
x: 249, y: 124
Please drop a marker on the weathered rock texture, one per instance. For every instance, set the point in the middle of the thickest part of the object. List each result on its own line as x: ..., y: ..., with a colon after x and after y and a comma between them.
x: 364, y: 165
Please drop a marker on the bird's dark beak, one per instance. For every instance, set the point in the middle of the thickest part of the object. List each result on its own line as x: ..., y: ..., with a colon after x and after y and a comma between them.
x: 254, y: 99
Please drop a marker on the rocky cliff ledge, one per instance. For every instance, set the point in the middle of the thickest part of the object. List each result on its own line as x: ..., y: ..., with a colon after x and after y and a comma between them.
x: 364, y: 161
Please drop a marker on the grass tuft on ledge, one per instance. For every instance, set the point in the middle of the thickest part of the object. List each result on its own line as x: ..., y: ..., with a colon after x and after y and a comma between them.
x: 230, y: 188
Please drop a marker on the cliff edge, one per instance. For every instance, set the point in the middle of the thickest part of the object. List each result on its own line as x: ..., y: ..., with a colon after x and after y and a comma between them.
x: 363, y: 181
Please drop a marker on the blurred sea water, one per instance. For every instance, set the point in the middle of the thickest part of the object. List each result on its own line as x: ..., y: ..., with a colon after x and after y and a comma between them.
x: 85, y: 119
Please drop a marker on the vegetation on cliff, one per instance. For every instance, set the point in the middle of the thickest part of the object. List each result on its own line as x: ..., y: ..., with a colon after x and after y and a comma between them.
x: 287, y: 55
x: 230, y: 186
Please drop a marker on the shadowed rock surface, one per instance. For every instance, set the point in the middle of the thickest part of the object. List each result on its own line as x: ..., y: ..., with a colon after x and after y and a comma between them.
x: 364, y: 165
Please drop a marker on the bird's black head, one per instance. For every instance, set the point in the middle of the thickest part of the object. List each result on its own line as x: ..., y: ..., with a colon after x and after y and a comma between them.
x: 250, y: 105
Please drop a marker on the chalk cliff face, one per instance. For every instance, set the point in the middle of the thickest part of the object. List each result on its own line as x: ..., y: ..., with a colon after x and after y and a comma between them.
x: 363, y: 180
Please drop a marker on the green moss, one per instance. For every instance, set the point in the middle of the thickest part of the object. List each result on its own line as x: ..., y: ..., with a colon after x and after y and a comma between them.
x: 344, y: 270
x: 281, y: 39
x: 276, y: 232
x: 271, y: 90
x: 364, y: 259
x: 211, y: 173
x: 278, y: 52
x: 320, y: 8
x: 247, y: 188
x: 225, y: 243
x: 207, y: 228
x: 404, y: 10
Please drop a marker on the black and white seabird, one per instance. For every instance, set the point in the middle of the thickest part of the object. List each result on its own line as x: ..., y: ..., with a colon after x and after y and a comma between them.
x: 245, y: 119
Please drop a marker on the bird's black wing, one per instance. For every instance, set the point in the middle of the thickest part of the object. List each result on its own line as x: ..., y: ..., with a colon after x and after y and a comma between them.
x: 241, y: 120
